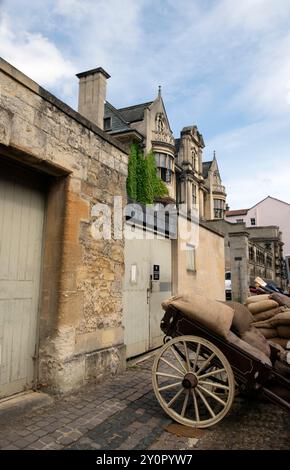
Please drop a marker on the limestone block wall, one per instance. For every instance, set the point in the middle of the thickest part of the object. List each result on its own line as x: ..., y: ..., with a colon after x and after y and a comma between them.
x: 239, y: 243
x: 80, y: 319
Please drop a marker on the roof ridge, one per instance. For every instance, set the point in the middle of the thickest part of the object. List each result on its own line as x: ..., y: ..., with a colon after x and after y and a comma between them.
x: 272, y: 197
x: 135, y: 106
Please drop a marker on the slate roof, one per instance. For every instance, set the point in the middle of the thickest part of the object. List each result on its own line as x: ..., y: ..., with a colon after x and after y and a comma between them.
x: 205, y: 168
x: 134, y: 113
x: 118, y: 122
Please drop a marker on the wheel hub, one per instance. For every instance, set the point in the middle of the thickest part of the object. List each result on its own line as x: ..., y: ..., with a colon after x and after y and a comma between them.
x: 189, y: 380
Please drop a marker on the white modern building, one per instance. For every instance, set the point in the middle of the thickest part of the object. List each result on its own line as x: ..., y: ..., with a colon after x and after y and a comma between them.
x: 269, y: 211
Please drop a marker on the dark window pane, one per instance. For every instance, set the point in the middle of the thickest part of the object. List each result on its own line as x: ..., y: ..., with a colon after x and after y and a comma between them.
x: 163, y: 174
x: 107, y: 124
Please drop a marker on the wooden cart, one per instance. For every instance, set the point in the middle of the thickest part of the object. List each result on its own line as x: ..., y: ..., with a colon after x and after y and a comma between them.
x: 197, y: 373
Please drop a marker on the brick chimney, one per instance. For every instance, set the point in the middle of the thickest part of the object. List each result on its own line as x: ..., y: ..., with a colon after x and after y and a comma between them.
x: 92, y: 95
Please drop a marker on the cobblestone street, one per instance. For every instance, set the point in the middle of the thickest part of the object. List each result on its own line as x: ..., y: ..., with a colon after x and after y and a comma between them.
x: 122, y: 413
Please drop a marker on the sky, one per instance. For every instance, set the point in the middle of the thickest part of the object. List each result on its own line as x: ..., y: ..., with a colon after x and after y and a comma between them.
x: 224, y: 65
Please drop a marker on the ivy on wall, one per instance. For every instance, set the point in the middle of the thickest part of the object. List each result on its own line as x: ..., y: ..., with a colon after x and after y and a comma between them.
x: 143, y: 183
x: 131, y: 182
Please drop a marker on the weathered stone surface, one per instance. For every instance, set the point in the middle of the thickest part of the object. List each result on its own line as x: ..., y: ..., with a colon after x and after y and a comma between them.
x: 5, y: 125
x: 82, y: 277
x: 106, y: 362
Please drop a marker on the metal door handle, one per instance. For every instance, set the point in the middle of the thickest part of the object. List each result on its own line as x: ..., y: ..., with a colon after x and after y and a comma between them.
x: 148, y: 294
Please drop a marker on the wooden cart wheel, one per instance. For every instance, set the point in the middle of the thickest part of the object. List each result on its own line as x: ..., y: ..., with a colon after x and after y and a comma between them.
x: 193, y: 381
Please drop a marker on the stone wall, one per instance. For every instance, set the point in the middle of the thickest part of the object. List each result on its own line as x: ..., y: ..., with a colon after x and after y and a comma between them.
x: 80, y: 326
x: 207, y: 278
x: 239, y: 243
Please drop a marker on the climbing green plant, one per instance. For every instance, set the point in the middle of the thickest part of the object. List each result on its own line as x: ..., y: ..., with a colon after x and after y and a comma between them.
x: 131, y: 183
x: 158, y: 186
x: 144, y: 186
x: 143, y: 183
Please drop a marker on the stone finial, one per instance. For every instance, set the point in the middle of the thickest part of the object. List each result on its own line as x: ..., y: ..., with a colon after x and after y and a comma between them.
x: 159, y: 91
x: 214, y: 154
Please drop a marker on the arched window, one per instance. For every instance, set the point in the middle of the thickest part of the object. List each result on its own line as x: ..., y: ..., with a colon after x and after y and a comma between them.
x: 194, y: 159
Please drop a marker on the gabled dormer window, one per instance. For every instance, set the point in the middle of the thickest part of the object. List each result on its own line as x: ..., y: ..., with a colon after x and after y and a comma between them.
x: 107, y: 124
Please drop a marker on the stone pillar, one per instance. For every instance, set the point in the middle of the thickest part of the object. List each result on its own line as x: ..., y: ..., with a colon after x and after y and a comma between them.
x: 239, y: 249
x: 200, y: 161
x: 189, y: 195
x: 208, y: 209
x: 92, y: 95
x: 200, y: 203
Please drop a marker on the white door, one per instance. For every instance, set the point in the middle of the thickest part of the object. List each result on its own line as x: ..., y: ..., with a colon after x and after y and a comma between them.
x: 160, y: 265
x: 144, y: 291
x: 21, y: 227
x: 136, y: 297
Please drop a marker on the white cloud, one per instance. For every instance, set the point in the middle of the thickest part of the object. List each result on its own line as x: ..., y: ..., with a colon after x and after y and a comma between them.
x: 35, y: 55
x: 249, y: 189
x: 225, y: 64
x: 265, y: 90
x: 288, y: 92
x: 254, y: 161
x: 143, y: 44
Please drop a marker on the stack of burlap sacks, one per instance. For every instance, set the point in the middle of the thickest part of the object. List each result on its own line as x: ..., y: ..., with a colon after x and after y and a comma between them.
x: 272, y: 317
x: 231, y: 320
x: 238, y: 323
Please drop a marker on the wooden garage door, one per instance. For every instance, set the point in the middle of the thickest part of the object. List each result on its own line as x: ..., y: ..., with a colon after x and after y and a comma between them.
x: 21, y: 227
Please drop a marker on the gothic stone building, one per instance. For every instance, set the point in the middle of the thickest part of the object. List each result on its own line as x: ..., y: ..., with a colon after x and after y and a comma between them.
x: 189, y: 180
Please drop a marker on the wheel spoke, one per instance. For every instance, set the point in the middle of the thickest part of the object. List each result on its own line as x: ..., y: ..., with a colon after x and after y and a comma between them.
x: 175, y: 397
x: 195, y: 405
x: 211, y: 394
x: 163, y: 374
x: 209, y: 398
x: 167, y: 387
x: 209, y: 359
x: 178, y: 358
x: 171, y: 365
x: 205, y: 403
x: 214, y: 372
x: 196, y: 357
x: 186, y: 355
x: 185, y: 403
x: 214, y: 384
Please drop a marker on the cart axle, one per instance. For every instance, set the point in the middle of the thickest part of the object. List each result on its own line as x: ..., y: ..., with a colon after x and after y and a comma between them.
x: 189, y: 381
